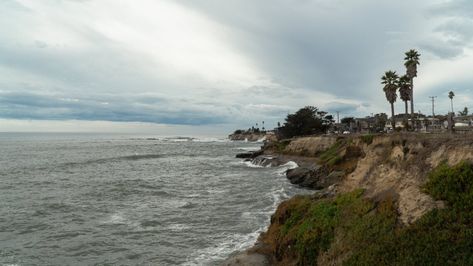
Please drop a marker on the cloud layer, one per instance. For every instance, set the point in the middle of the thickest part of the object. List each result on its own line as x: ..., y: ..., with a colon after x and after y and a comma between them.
x: 226, y: 63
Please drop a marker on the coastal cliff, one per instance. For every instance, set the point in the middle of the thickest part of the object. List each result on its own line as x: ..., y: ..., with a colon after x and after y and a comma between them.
x: 251, y: 136
x: 388, y: 193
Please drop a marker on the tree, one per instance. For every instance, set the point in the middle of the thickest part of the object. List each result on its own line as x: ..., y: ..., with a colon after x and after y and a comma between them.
x: 411, y: 61
x: 380, y: 121
x: 464, y: 112
x: 390, y: 87
x: 451, y: 95
x: 404, y: 90
x: 306, y: 121
x: 347, y: 120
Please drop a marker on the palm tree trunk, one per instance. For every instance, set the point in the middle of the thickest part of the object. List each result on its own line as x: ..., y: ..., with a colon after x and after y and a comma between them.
x: 393, y: 123
x: 406, y: 119
x: 412, y: 97
x: 451, y: 102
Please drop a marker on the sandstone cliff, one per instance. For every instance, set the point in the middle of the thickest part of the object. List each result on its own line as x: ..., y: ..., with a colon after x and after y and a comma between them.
x: 382, y: 176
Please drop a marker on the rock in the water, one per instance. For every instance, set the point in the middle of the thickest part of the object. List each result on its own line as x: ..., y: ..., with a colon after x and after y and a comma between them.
x: 314, y: 176
x: 244, y: 155
x: 250, y: 154
x: 268, y: 161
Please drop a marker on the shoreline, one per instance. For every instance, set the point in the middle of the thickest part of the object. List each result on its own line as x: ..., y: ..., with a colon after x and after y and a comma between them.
x: 383, y: 170
x: 259, y: 253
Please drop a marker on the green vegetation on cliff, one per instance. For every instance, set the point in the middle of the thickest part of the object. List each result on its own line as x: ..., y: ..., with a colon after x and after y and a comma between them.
x: 442, y: 236
x: 310, y: 229
x: 351, y: 230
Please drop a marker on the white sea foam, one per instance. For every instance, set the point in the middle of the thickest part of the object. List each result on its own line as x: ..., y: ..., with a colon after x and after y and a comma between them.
x: 195, y: 195
x: 216, y: 191
x: 281, y: 171
x: 261, y: 139
x: 176, y: 203
x: 237, y: 242
x: 278, y: 196
x: 251, y: 165
x: 120, y: 219
x: 210, y: 140
x: 116, y: 219
x: 222, y: 250
x: 178, y: 140
x: 178, y: 227
x: 248, y: 148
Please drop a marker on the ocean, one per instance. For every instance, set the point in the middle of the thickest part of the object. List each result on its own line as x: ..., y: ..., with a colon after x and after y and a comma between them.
x: 85, y: 199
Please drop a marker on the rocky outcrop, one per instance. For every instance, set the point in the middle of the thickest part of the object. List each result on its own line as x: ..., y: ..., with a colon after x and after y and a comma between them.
x: 314, y: 176
x: 250, y: 154
x: 269, y: 160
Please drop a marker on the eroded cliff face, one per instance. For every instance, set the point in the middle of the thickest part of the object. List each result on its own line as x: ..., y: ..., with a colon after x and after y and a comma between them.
x: 399, y: 164
x: 310, y: 146
x: 394, y: 165
x: 379, y: 211
x: 381, y: 189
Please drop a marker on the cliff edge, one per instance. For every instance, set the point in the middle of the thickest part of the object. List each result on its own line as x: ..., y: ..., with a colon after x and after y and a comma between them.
x: 381, y: 200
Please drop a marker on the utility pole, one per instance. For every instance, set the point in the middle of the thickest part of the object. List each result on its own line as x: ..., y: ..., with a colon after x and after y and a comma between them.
x: 433, y: 105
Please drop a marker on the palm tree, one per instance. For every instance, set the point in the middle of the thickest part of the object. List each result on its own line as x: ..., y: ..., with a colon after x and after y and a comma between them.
x: 451, y: 95
x: 411, y: 61
x: 390, y: 88
x: 404, y: 90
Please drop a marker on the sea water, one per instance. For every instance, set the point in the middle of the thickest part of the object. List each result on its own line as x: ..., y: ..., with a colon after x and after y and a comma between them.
x: 84, y: 199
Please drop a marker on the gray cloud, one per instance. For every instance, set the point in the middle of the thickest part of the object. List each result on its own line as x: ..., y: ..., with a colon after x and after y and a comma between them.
x: 76, y: 62
x: 455, y: 30
x: 344, y: 108
x: 125, y: 108
x: 303, y: 45
x: 442, y: 49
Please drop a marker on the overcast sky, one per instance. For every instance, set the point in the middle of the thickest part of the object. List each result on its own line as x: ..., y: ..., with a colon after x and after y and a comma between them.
x: 212, y: 65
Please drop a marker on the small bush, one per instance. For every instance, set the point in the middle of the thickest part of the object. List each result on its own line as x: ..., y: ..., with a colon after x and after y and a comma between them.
x: 280, y: 146
x: 452, y: 184
x: 331, y: 152
x: 334, y: 160
x: 368, y: 139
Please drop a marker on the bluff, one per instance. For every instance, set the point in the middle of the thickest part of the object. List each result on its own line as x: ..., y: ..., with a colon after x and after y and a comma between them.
x: 251, y: 136
x: 388, y: 193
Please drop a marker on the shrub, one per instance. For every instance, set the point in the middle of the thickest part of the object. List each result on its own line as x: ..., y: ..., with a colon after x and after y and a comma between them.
x: 368, y: 139
x: 313, y: 225
x: 453, y: 185
x: 331, y: 152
